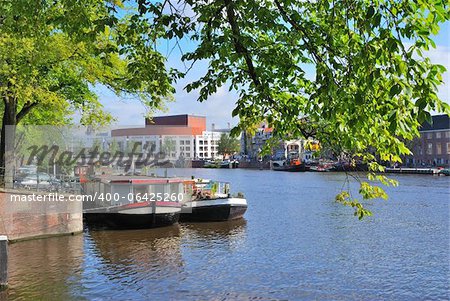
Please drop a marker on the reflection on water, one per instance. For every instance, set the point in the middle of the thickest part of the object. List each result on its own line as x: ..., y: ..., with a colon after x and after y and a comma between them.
x: 295, y: 243
x: 133, y: 263
x: 225, y: 235
x: 215, y: 231
x: 45, y: 267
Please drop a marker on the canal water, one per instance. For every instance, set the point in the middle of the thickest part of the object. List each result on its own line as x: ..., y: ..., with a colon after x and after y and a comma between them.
x: 295, y: 243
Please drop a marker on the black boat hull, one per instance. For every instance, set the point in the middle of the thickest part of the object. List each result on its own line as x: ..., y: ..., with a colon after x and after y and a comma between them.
x: 214, y: 213
x: 290, y: 168
x: 129, y: 221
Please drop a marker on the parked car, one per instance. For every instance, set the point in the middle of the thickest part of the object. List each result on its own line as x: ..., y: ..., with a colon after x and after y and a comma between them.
x: 40, y: 179
x: 27, y: 169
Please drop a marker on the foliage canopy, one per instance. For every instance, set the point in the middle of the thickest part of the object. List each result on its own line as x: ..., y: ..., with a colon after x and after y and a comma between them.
x: 372, y: 84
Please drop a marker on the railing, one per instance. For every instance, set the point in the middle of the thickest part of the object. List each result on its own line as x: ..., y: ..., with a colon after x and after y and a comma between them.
x: 47, y: 183
x: 211, y: 189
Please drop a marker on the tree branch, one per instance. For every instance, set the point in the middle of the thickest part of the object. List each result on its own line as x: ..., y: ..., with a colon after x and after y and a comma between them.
x: 240, y: 49
x: 25, y: 110
x: 297, y: 26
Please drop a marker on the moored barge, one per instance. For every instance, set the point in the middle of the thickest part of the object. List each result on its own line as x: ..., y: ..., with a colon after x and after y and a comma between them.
x: 120, y: 202
x: 212, y: 202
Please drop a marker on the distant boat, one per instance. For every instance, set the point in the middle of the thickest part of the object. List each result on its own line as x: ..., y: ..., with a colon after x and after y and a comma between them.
x: 211, y: 164
x: 229, y: 164
x: 221, y: 164
x: 123, y: 202
x: 322, y: 167
x: 291, y: 165
x: 444, y: 172
x: 347, y: 166
x: 212, y: 202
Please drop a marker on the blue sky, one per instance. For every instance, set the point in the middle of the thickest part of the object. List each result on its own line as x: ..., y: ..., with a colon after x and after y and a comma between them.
x: 218, y: 107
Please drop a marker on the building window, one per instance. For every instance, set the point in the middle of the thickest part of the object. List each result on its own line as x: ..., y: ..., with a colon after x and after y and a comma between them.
x: 188, y: 148
x: 448, y: 148
x: 438, y: 149
x: 419, y: 150
x: 181, y: 142
x: 438, y: 135
x: 429, y: 135
x: 447, y: 134
x: 430, y: 149
x: 188, y: 142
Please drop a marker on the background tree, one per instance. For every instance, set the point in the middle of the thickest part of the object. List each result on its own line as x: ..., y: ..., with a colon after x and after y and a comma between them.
x: 113, y: 146
x: 228, y: 145
x: 169, y: 147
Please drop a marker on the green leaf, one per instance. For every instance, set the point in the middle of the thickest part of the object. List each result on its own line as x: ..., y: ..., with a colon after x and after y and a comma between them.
x: 395, y: 89
x: 370, y: 12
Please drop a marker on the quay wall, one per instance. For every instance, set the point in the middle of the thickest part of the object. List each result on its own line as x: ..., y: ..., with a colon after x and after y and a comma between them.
x: 407, y: 170
x: 21, y: 220
x: 254, y: 165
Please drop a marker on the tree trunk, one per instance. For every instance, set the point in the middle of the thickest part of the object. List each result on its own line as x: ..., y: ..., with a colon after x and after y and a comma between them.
x: 244, y: 133
x: 9, y: 123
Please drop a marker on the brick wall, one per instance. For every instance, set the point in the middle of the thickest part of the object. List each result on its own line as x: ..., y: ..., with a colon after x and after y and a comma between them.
x: 432, y: 148
x: 25, y: 220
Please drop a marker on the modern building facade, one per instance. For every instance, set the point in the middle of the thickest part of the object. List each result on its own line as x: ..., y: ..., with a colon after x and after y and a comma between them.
x: 432, y: 148
x: 178, y: 136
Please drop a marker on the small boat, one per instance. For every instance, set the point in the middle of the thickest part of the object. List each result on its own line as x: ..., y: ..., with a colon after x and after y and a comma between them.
x: 322, y: 167
x: 211, y: 202
x: 221, y: 164
x: 292, y: 165
x: 229, y: 164
x: 347, y: 166
x: 444, y: 172
x: 211, y: 164
x: 123, y: 202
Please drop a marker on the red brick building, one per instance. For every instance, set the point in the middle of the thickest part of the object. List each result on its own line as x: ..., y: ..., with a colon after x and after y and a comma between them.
x: 432, y: 148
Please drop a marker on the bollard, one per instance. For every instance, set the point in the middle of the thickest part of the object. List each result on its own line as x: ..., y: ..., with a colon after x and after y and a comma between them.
x: 3, y: 261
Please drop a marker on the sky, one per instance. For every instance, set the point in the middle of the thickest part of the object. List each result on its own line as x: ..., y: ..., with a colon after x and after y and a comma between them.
x: 219, y: 106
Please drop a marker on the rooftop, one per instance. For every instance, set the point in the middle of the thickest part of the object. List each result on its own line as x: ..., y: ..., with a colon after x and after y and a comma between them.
x: 440, y: 122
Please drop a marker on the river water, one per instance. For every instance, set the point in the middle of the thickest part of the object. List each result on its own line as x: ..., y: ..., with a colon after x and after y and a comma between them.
x: 295, y: 243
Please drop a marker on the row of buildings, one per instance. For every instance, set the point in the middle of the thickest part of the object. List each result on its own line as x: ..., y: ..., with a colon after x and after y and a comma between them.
x: 186, y: 136
x: 178, y: 136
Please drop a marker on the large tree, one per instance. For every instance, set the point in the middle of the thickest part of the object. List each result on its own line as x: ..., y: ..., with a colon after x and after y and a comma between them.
x: 53, y: 53
x: 371, y: 84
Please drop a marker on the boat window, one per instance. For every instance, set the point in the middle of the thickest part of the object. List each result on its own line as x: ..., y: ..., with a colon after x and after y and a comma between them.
x: 156, y: 188
x: 122, y: 190
x: 141, y: 189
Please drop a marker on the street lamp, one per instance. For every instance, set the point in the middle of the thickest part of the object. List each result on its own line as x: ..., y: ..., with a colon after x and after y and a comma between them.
x: 54, y: 164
